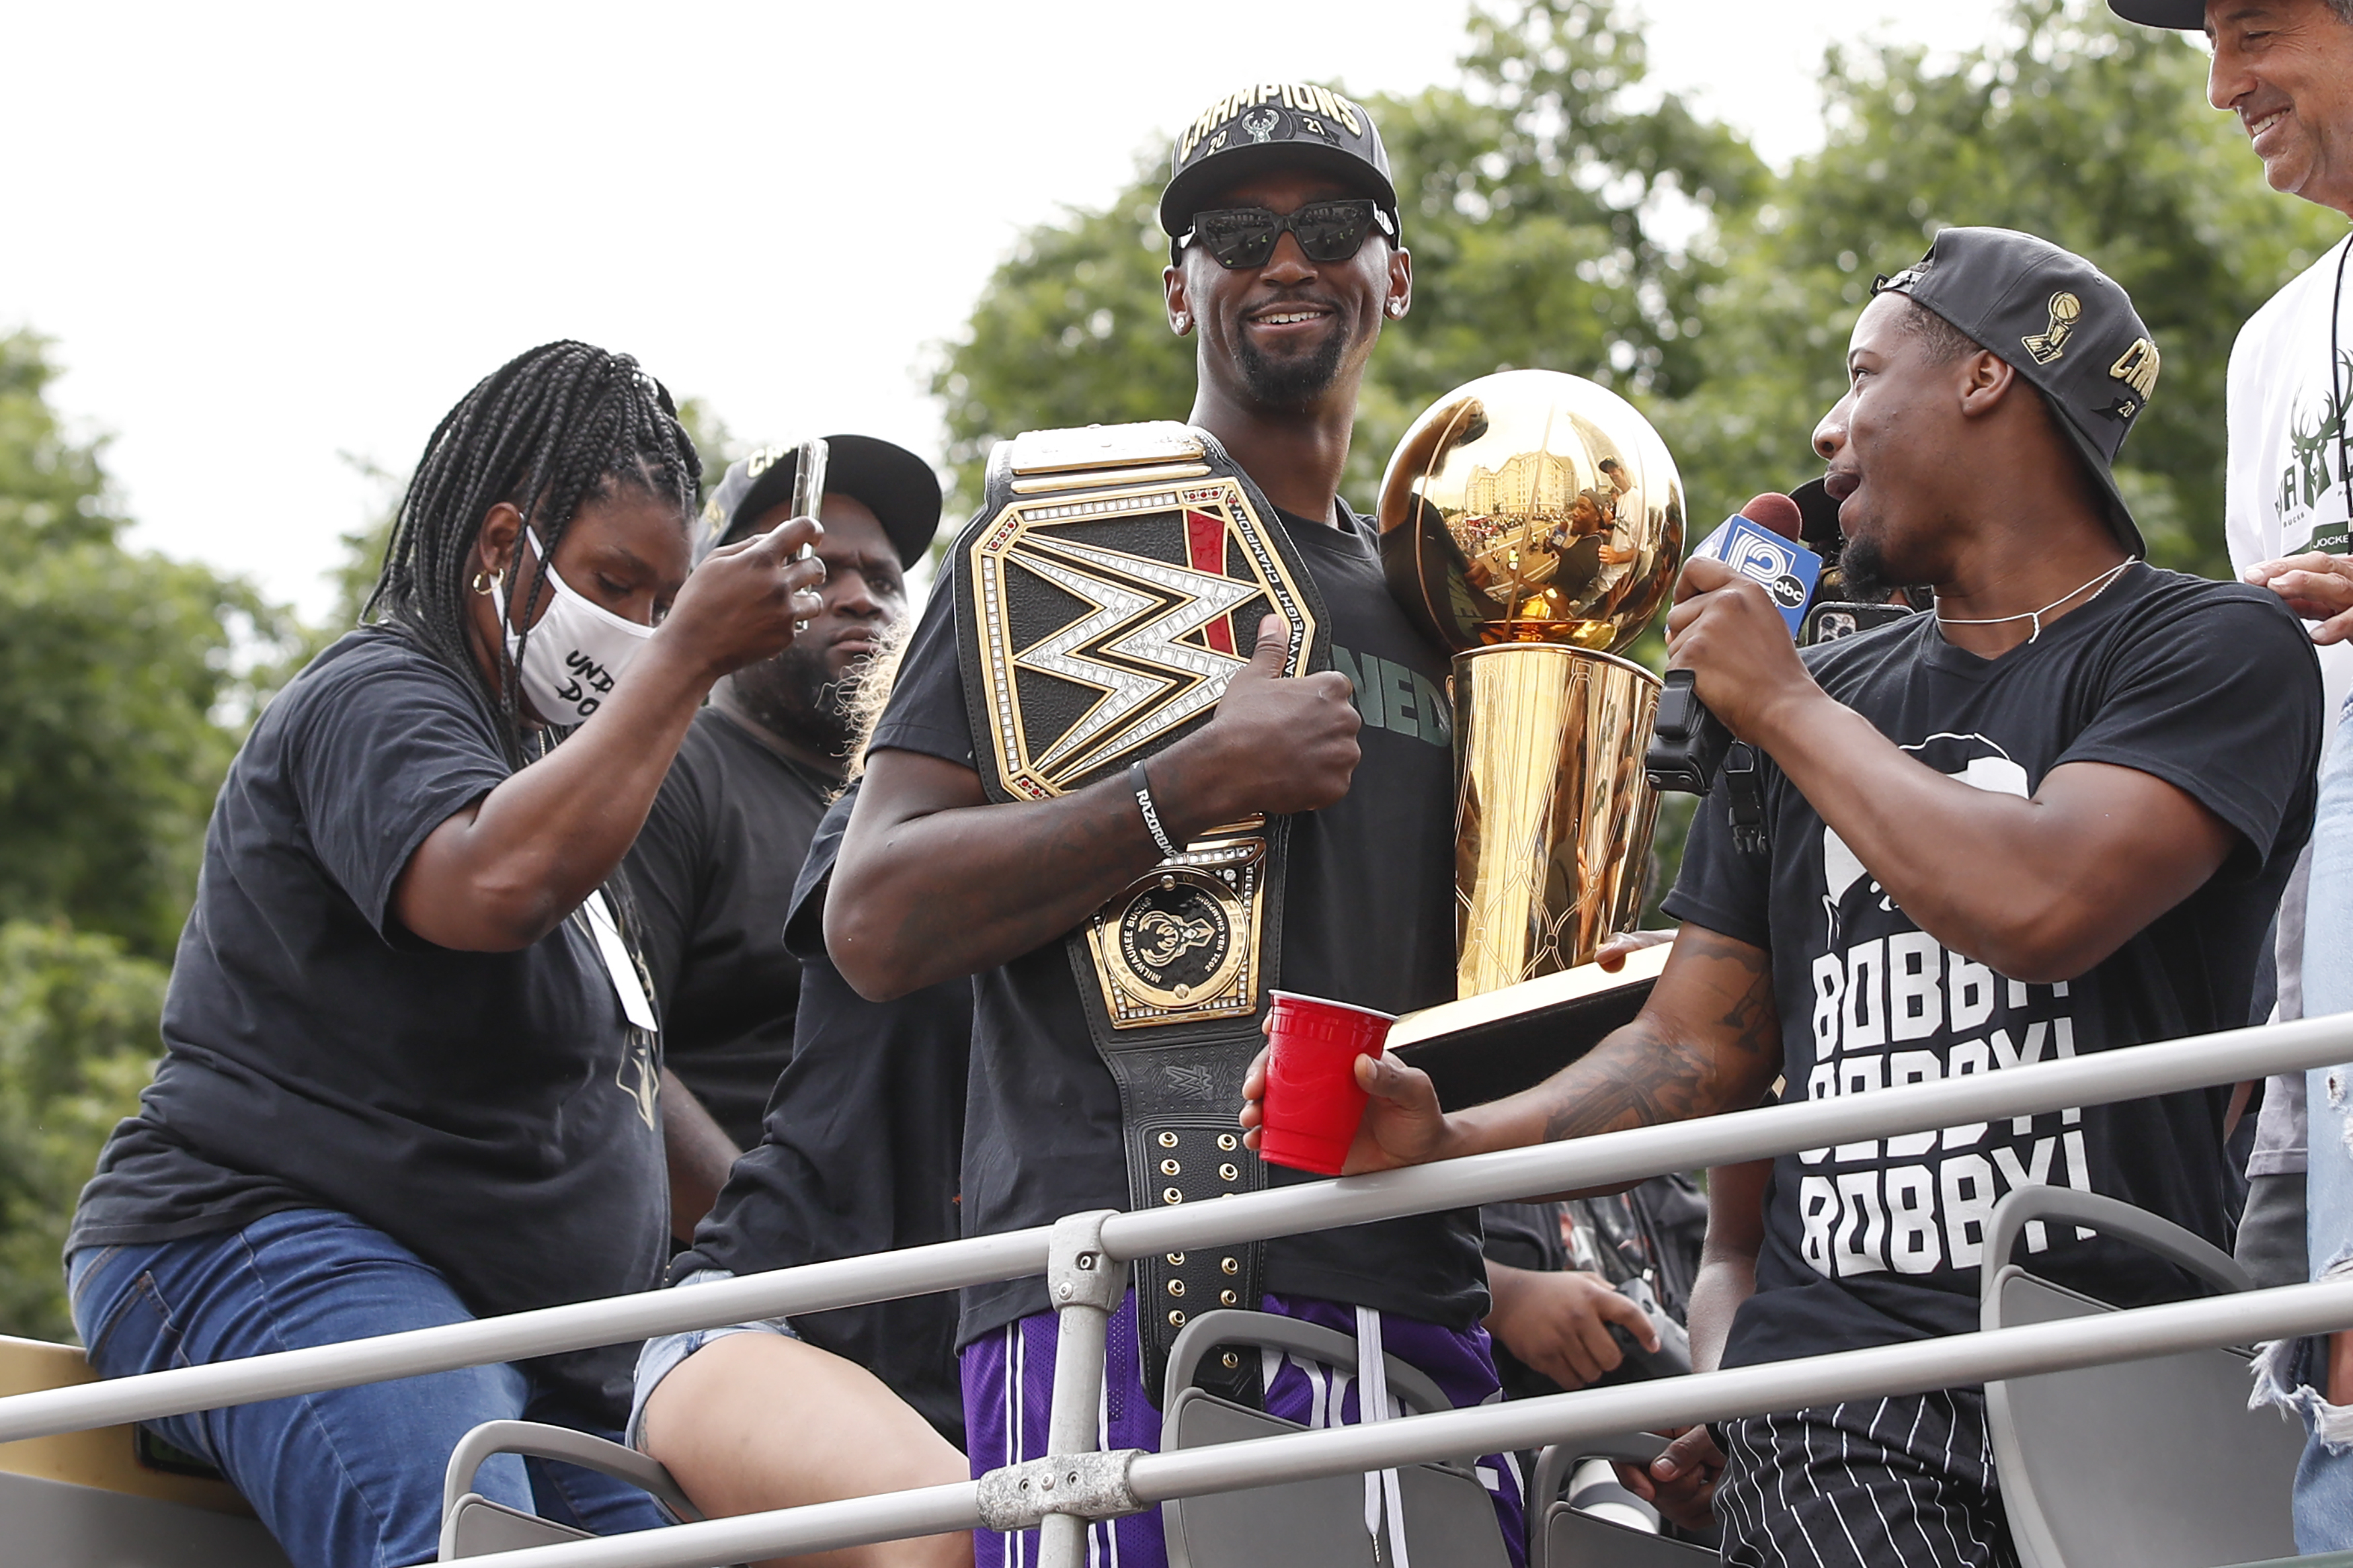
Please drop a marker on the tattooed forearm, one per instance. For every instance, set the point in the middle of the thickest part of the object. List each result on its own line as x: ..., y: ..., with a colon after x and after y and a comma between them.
x: 1636, y: 1077
x: 1710, y: 1040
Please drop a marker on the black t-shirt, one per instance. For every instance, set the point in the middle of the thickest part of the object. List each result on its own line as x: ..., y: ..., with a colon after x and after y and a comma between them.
x: 492, y: 1111
x: 712, y: 874
x: 862, y: 1138
x: 2211, y: 687
x: 1368, y: 917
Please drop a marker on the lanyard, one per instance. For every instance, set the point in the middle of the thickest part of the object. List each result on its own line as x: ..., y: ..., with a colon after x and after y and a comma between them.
x: 2337, y: 389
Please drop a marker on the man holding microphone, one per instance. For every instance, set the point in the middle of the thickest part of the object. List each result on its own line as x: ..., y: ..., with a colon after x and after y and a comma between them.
x: 2285, y: 67
x: 1995, y: 835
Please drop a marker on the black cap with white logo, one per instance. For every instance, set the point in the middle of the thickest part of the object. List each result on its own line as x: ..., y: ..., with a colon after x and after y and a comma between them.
x: 2185, y: 15
x: 2061, y: 322
x: 1269, y: 125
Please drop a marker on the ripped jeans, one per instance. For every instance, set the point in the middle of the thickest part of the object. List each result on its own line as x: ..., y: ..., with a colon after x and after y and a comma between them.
x: 2294, y: 1373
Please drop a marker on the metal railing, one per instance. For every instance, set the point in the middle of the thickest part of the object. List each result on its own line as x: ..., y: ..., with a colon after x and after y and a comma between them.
x: 1088, y: 1253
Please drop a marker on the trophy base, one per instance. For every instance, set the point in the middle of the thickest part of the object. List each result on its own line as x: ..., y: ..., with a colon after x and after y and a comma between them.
x: 1485, y: 1048
x: 1553, y: 816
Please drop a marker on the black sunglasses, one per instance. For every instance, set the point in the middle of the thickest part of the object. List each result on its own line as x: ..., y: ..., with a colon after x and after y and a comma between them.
x: 1326, y: 231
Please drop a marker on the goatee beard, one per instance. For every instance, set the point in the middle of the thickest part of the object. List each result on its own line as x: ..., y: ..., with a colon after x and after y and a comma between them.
x: 1864, y: 576
x: 1293, y: 384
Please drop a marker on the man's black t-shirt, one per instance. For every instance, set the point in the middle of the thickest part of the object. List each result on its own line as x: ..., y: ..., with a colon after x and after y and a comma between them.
x: 860, y: 1154
x: 2211, y: 687
x: 493, y: 1111
x: 711, y: 873
x: 1368, y: 917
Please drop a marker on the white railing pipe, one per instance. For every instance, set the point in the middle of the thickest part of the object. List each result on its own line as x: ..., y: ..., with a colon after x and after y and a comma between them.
x: 1961, y: 1359
x: 1609, y: 1160
x: 812, y: 1287
x: 1617, y: 1159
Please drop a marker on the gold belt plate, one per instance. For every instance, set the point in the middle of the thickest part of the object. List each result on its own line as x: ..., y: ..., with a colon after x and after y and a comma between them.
x: 1110, y: 618
x: 1180, y: 943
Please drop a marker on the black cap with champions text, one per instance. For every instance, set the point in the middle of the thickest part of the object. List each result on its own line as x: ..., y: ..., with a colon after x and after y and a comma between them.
x: 2184, y: 15
x: 2061, y: 322
x: 897, y: 486
x: 1269, y: 125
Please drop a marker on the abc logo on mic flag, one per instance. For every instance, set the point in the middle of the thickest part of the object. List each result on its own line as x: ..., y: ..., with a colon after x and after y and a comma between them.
x: 1788, y: 571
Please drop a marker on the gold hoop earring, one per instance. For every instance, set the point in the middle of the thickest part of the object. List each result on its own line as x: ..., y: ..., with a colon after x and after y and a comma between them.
x: 487, y: 583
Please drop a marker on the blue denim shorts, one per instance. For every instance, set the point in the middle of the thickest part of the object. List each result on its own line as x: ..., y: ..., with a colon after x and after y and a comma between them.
x: 660, y: 1357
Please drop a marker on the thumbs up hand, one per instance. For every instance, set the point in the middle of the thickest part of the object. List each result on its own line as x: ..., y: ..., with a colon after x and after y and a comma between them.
x: 1279, y: 744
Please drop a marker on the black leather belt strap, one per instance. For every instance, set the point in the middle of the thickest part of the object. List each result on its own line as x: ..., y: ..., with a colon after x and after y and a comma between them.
x: 1184, y: 1149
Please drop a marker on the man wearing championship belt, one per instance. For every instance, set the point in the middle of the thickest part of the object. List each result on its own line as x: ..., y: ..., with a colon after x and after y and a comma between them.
x: 1123, y: 780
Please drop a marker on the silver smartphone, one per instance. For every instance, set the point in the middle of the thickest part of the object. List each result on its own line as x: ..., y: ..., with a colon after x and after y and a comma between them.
x: 808, y: 485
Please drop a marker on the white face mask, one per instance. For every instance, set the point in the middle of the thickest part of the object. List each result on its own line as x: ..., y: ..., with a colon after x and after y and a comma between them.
x: 576, y: 652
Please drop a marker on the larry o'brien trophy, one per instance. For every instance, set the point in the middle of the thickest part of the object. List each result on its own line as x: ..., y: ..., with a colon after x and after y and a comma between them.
x: 1533, y: 523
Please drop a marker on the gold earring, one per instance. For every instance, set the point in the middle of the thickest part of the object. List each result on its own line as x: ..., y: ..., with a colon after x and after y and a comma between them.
x: 487, y: 583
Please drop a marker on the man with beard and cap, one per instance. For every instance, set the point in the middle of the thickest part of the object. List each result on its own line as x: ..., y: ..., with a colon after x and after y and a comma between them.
x: 2284, y: 69
x: 712, y: 870
x: 2052, y: 818
x: 1125, y: 781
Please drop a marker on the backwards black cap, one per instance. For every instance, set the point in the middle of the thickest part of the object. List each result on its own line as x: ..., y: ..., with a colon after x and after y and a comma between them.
x: 1269, y: 125
x: 898, y: 486
x: 2187, y: 15
x: 2061, y: 322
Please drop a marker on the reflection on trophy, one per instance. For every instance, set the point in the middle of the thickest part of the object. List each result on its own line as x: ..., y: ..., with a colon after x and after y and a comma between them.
x: 1534, y: 523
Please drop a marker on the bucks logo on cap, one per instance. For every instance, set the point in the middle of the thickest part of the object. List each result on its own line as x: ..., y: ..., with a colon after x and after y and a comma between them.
x: 2069, y: 329
x: 1269, y: 125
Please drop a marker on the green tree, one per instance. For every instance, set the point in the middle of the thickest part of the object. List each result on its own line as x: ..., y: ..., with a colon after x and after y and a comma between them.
x: 715, y: 443
x: 77, y: 1019
x: 126, y: 680
x: 2071, y: 125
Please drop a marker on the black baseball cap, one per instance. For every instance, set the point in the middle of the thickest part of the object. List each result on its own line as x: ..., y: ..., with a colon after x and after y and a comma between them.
x: 896, y: 485
x: 2061, y: 322
x: 1273, y: 125
x: 2187, y: 15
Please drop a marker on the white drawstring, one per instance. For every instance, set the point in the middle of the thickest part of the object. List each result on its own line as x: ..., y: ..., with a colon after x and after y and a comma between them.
x: 1373, y: 1405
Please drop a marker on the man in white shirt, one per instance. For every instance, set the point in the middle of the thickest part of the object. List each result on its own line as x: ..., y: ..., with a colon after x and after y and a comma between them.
x: 2285, y: 68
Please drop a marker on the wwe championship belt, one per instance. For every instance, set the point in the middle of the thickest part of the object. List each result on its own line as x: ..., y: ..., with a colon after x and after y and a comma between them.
x: 1112, y: 584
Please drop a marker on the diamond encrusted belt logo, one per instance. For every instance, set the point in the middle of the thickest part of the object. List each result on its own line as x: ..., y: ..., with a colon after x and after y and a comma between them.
x: 1111, y: 620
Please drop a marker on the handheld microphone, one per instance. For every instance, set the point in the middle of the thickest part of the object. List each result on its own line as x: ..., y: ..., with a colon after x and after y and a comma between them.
x: 1688, y: 742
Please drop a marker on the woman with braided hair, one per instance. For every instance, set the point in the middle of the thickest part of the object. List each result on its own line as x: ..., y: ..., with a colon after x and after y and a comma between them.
x: 410, y: 1074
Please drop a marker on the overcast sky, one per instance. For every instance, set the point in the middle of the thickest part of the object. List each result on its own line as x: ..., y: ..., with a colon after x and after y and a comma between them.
x: 265, y: 236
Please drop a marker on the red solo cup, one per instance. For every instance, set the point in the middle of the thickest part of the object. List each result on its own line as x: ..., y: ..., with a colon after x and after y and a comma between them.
x: 1312, y: 1103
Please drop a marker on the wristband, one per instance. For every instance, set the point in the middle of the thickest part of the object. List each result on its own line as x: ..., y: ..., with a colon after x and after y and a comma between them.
x: 1142, y: 786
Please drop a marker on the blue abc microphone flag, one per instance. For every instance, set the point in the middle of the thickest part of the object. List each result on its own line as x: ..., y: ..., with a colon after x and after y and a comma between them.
x: 1788, y: 570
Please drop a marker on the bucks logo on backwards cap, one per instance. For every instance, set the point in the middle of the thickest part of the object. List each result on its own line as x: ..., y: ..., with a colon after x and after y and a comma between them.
x: 1271, y: 125
x: 2061, y: 322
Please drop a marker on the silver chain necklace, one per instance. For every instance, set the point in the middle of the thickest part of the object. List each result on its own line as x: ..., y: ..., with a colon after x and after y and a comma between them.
x: 2104, y: 579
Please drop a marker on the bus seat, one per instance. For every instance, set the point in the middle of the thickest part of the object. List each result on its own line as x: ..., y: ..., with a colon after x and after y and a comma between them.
x: 1563, y: 1533
x: 474, y: 1526
x: 103, y: 1498
x: 2142, y: 1464
x: 1320, y: 1523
